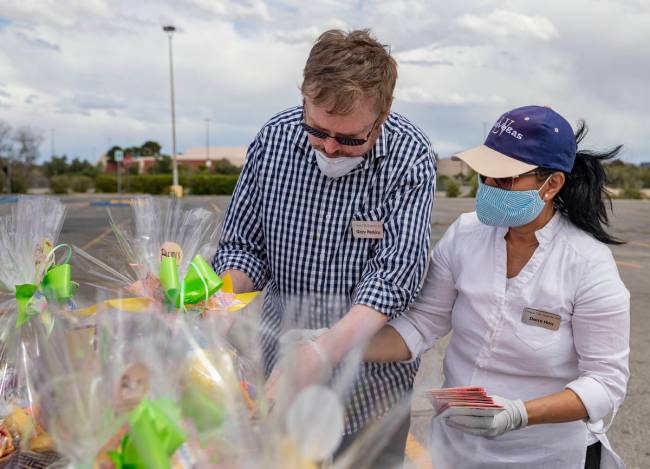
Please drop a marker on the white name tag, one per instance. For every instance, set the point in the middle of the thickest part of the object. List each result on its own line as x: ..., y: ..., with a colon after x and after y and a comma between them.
x: 539, y: 318
x: 368, y: 229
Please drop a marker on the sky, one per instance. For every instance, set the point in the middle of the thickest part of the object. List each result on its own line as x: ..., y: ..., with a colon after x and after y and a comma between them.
x: 89, y: 74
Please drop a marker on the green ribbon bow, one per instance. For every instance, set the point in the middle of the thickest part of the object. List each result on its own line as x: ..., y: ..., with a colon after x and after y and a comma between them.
x: 57, y: 284
x: 153, y: 436
x: 199, y: 283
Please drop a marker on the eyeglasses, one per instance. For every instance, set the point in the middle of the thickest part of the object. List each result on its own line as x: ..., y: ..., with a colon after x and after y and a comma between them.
x: 507, y: 183
x: 347, y: 141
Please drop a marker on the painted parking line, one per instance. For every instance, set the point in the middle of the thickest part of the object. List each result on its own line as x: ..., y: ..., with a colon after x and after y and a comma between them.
x: 101, y: 236
x: 629, y: 265
x: 96, y: 240
x: 417, y: 453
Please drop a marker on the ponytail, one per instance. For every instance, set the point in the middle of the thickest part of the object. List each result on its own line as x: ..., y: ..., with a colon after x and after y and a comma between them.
x: 583, y: 199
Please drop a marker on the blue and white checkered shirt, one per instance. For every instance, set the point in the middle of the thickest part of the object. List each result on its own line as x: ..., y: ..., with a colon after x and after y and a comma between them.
x: 288, y: 227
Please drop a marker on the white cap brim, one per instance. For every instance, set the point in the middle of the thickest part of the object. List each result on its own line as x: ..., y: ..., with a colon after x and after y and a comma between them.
x: 488, y: 162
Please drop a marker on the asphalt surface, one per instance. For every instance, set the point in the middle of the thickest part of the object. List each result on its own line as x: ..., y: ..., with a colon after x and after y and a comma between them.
x: 86, y: 226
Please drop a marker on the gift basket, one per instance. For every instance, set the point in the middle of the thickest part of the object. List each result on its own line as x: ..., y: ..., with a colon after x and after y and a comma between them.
x: 36, y: 292
x: 159, y: 257
x: 107, y: 392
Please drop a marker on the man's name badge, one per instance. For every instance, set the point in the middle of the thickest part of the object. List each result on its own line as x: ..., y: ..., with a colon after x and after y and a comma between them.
x: 363, y: 229
x: 539, y: 318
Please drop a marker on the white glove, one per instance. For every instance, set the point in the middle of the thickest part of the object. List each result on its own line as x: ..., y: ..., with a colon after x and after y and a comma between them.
x: 512, y: 417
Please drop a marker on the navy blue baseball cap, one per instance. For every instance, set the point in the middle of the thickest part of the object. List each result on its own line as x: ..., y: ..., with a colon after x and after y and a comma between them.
x: 524, y: 139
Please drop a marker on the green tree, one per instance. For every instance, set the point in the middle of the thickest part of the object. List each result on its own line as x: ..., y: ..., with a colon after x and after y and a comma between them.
x: 56, y: 166
x: 150, y: 148
x: 79, y: 166
x: 224, y: 166
x: 162, y: 165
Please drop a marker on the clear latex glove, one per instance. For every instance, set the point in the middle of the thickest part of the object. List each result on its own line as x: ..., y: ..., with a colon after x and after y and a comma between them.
x: 302, y: 363
x: 512, y: 417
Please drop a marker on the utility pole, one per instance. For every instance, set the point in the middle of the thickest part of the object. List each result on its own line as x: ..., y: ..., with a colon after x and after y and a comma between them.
x: 208, y: 163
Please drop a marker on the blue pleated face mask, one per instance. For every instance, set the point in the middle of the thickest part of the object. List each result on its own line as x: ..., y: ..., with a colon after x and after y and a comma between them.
x: 507, y: 208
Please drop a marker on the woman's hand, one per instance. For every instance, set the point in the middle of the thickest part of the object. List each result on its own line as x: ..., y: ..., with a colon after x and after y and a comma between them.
x: 564, y: 406
x: 512, y: 417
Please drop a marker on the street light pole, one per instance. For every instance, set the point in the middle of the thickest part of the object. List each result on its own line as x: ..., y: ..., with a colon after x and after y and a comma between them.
x: 169, y: 29
x: 208, y: 163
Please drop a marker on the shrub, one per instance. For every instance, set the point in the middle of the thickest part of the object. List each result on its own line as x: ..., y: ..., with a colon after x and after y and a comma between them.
x: 441, y: 183
x: 18, y: 184
x: 473, y: 186
x: 157, y: 184
x: 81, y: 184
x: 151, y: 184
x: 106, y: 183
x: 213, y: 184
x: 631, y: 191
x: 453, y: 189
x: 60, y: 184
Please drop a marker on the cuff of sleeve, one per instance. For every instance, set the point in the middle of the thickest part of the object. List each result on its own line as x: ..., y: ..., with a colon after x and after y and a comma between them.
x: 382, y: 296
x: 594, y: 397
x: 250, y: 265
x: 412, y: 337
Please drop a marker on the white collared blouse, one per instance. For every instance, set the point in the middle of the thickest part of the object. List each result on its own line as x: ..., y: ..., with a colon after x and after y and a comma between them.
x: 570, y: 275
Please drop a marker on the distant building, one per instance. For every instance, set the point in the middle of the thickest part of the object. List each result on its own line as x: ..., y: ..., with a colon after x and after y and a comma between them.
x: 193, y: 157
x: 645, y: 164
x: 451, y: 168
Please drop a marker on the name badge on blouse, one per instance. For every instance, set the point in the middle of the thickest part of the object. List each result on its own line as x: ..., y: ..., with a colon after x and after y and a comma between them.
x: 539, y: 318
x: 364, y: 229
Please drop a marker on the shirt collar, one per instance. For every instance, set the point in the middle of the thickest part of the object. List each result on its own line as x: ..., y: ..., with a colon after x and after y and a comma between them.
x: 546, y: 234
x: 548, y: 231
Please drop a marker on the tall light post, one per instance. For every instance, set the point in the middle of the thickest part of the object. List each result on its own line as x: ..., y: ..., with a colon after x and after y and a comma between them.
x: 208, y: 163
x: 177, y: 190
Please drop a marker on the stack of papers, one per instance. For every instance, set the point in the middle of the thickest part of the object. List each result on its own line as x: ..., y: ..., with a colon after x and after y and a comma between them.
x: 463, y: 401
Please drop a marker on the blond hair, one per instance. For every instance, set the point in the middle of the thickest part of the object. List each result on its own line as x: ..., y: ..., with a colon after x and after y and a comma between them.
x: 344, y: 68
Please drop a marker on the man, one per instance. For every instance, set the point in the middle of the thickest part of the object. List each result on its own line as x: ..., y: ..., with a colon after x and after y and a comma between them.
x: 334, y: 201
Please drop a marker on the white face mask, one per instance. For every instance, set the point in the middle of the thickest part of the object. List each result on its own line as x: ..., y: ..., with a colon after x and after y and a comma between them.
x: 336, y: 167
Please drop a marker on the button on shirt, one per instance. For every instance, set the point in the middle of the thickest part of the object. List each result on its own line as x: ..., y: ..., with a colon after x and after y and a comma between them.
x: 570, y: 275
x: 289, y: 228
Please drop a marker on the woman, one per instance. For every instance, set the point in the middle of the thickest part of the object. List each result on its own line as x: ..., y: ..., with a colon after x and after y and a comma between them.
x: 532, y: 293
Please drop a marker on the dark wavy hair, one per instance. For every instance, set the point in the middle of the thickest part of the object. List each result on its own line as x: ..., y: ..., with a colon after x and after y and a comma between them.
x: 584, y: 198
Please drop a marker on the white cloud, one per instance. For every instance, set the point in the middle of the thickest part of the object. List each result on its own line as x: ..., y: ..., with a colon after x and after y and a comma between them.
x: 236, y: 9
x: 510, y: 23
x: 427, y: 96
x: 97, y: 70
